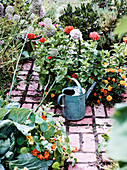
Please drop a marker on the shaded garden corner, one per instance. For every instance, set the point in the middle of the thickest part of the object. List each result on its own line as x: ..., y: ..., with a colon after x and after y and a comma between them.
x: 84, y: 134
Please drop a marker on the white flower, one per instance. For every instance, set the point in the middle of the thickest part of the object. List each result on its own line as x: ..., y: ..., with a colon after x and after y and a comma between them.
x: 54, y: 52
x: 41, y: 12
x: 49, y: 30
x: 8, y: 16
x: 16, y: 18
x: 1, y: 9
x: 32, y: 16
x: 76, y: 34
x: 36, y: 8
x: 9, y: 9
x: 60, y: 10
x: 47, y: 21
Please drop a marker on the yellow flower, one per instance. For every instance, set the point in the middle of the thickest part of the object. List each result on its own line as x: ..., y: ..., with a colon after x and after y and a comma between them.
x: 109, y: 98
x: 123, y: 76
x: 109, y: 88
x: 105, y: 63
x: 122, y: 82
x: 113, y: 80
x: 30, y: 140
x: 106, y: 81
x: 125, y: 39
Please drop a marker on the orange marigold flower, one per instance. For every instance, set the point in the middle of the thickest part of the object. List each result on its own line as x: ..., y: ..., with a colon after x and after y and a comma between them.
x: 106, y: 81
x: 107, y: 70
x: 113, y: 80
x: 122, y: 82
x: 54, y: 146
x: 109, y: 98
x: 118, y: 84
x: 95, y: 94
x: 100, y: 97
x: 52, y: 95
x: 68, y: 29
x: 102, y: 90
x: 109, y: 78
x: 105, y: 92
x: 74, y: 148
x: 123, y: 76
x: 112, y: 70
x: 46, y: 155
x: 46, y: 93
x: 34, y: 152
x: 43, y: 117
x: 105, y: 63
x: 109, y: 88
x: 120, y: 70
x: 40, y: 157
x: 98, y: 101
x: 28, y: 137
x: 126, y: 85
x: 125, y: 39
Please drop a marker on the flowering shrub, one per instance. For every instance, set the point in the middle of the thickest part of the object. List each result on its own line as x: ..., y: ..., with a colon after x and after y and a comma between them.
x: 62, y: 56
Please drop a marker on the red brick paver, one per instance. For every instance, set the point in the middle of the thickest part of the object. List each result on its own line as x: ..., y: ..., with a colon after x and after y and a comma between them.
x: 85, y: 134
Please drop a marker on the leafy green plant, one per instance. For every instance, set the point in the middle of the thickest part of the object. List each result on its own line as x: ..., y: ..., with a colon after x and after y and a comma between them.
x: 117, y: 146
x: 30, y: 140
x: 85, y: 18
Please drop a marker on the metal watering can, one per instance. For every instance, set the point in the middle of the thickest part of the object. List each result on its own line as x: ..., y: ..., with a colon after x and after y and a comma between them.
x: 73, y: 101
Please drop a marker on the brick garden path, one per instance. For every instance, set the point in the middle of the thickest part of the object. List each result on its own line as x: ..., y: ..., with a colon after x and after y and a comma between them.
x: 84, y: 134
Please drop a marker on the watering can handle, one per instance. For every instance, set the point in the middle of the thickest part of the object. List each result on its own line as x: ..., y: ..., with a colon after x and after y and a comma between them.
x: 58, y: 100
x: 78, y: 84
x: 90, y: 90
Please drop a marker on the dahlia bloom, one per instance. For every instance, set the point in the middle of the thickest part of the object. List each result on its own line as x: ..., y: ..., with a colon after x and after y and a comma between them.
x: 94, y: 36
x: 76, y: 34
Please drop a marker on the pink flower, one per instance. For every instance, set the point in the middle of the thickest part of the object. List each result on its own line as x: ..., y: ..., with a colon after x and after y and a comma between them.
x: 55, y: 25
x: 41, y: 24
x: 94, y: 36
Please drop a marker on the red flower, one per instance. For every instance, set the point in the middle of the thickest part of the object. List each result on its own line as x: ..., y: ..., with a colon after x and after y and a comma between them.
x: 31, y: 36
x: 34, y: 152
x: 94, y: 36
x: 68, y: 29
x: 49, y: 57
x: 42, y: 40
x: 74, y: 75
x: 43, y: 117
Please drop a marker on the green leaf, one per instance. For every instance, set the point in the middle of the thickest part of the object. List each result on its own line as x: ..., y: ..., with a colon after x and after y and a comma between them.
x: 29, y: 161
x: 56, y: 165
x: 32, y: 117
x: 51, y: 130
x: 63, y: 132
x: 44, y: 127
x: 51, y: 120
x: 38, y: 119
x: 47, y: 135
x: 20, y: 140
x: 1, y: 167
x: 1, y: 101
x: 24, y: 150
x: 74, y: 162
x: 3, y: 112
x: 121, y: 26
x: 18, y: 115
x: 117, y: 142
x: 12, y: 105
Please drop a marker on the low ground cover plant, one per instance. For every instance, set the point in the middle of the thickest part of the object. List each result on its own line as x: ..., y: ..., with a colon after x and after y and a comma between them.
x: 31, y: 140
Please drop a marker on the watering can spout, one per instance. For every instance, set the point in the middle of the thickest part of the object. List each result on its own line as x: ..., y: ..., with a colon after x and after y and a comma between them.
x: 90, y: 90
